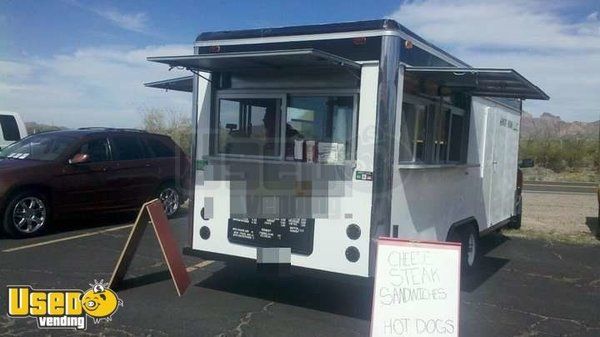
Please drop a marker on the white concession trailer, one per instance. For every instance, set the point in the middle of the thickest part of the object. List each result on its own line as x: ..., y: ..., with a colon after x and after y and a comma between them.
x: 313, y: 141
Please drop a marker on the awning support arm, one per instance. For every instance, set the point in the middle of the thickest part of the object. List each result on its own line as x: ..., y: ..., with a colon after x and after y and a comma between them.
x: 195, y: 72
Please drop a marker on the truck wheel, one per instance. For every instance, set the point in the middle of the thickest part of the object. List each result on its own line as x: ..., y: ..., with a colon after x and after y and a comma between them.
x: 170, y: 198
x: 515, y: 222
x: 27, y: 214
x: 468, y: 237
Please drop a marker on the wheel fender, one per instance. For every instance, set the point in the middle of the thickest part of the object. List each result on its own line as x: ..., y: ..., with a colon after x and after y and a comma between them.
x: 459, y: 225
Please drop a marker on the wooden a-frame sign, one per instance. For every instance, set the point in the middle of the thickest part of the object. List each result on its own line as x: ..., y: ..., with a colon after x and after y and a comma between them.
x: 153, y: 212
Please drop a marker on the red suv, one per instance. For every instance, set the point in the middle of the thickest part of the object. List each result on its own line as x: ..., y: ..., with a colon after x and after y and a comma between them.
x: 93, y: 169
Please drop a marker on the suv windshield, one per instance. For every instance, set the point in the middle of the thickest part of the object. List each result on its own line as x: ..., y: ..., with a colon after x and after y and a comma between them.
x: 46, y: 147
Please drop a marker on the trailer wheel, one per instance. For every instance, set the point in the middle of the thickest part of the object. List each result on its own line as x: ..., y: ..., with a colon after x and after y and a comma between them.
x: 468, y: 236
x: 470, y: 248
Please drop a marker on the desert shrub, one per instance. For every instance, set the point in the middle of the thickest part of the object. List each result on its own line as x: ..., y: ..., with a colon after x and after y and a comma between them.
x: 561, y: 154
x: 174, y: 124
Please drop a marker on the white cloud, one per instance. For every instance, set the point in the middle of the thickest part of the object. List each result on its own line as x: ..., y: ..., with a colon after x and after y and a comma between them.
x: 100, y: 86
x: 136, y: 22
x: 591, y: 26
x: 14, y: 69
x: 532, y: 37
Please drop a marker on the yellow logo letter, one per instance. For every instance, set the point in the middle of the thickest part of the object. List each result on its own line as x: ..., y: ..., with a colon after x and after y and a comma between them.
x: 18, y: 301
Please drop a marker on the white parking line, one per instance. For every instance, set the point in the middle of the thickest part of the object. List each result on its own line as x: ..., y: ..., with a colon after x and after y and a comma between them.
x: 198, y: 266
x: 66, y: 239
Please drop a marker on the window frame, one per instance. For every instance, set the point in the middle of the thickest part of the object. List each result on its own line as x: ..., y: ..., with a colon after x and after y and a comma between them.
x: 257, y: 95
x: 412, y: 99
x: 454, y: 110
x: 327, y: 93
x: 283, y: 95
x: 431, y: 153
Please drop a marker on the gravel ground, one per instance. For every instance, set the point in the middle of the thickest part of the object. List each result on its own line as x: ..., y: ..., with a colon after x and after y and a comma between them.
x: 560, y: 217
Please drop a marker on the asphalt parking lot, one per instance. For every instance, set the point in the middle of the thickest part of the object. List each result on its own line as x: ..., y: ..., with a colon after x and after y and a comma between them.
x: 524, y: 288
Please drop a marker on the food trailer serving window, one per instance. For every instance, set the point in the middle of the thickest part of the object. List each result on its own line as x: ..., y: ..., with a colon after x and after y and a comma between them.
x: 434, y: 121
x: 259, y: 113
x: 310, y: 127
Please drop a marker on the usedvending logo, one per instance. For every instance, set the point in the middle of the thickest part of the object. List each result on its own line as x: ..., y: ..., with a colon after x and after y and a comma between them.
x: 63, y: 308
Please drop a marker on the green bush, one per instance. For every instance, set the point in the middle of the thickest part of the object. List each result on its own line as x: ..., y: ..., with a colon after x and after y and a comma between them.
x: 562, y: 154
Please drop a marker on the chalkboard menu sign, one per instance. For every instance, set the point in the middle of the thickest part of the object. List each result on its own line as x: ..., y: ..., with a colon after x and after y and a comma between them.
x: 417, y: 289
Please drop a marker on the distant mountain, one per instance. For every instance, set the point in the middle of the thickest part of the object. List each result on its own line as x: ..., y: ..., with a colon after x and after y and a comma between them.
x: 550, y: 126
x: 33, y: 127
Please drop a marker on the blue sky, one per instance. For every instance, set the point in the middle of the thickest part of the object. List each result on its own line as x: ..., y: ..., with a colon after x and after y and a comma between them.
x: 63, y: 26
x: 77, y: 63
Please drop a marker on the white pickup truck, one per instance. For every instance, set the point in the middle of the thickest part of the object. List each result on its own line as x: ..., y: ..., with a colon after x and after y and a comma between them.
x: 12, y: 128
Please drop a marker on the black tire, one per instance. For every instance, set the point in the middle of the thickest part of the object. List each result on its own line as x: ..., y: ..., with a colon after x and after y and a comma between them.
x: 36, y: 214
x: 468, y: 236
x: 515, y: 222
x: 170, y: 196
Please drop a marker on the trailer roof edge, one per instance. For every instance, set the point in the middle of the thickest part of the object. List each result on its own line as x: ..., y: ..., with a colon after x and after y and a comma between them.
x: 342, y: 27
x: 356, y: 28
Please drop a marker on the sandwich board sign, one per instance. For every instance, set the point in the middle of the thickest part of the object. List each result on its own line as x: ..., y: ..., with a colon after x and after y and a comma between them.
x: 417, y: 289
x: 153, y: 213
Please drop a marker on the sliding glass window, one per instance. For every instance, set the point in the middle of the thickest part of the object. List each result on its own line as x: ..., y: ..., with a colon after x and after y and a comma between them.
x: 324, y: 120
x: 249, y: 126
x: 255, y: 125
x: 431, y: 132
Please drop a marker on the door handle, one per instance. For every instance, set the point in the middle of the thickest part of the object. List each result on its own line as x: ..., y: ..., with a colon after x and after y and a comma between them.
x: 147, y: 165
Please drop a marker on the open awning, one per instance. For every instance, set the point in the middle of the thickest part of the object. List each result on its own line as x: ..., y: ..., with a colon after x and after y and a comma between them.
x: 268, y: 59
x: 178, y: 84
x: 485, y: 82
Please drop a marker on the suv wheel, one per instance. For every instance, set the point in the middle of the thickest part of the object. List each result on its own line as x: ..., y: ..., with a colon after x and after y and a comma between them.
x: 27, y: 214
x: 170, y: 198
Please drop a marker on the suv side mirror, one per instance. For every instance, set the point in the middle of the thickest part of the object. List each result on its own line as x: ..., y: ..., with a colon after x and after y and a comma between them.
x: 79, y: 158
x: 526, y: 163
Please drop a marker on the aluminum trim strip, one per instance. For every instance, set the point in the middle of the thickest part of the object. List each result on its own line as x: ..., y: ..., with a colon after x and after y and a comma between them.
x: 172, y: 60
